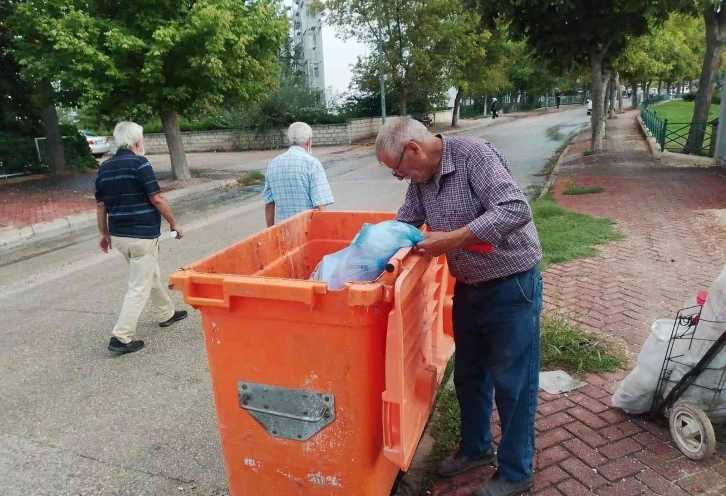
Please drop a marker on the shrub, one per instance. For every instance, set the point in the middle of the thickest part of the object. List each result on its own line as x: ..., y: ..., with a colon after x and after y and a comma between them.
x: 78, y: 153
x: 689, y: 97
x: 17, y: 154
x: 716, y: 99
x: 291, y: 102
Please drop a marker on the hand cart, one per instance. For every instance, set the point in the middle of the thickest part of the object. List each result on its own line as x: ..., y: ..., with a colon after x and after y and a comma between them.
x: 691, y: 425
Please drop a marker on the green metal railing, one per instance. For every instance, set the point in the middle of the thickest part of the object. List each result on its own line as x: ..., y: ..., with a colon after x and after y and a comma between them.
x: 675, y: 136
x: 658, y: 127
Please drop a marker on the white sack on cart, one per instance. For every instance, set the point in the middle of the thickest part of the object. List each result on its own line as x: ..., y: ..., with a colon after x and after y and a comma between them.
x: 635, y: 392
x: 710, y: 327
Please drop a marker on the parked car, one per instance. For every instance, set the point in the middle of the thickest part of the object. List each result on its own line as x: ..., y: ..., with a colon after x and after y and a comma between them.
x: 98, y: 144
x: 589, y: 106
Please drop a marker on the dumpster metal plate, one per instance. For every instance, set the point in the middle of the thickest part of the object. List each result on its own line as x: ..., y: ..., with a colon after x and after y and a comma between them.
x: 287, y: 413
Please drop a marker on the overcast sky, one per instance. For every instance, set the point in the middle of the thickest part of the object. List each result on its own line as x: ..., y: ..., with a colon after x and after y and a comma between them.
x: 339, y: 56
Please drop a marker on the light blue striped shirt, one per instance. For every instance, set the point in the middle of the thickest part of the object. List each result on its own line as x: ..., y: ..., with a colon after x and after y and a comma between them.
x: 296, y: 182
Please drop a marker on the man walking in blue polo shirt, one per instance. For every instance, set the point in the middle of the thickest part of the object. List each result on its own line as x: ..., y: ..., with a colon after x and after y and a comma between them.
x: 129, y: 209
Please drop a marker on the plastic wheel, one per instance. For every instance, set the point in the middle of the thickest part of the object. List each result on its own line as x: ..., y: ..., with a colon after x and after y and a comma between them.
x: 692, y: 431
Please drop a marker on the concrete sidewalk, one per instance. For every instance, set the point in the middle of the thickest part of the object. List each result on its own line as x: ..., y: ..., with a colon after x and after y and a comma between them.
x: 674, y: 248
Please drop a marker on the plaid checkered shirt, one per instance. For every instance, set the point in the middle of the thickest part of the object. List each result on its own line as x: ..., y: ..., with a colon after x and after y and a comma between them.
x: 296, y: 182
x: 476, y: 189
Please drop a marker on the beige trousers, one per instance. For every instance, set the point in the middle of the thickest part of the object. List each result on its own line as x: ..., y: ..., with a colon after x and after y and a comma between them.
x: 144, y: 281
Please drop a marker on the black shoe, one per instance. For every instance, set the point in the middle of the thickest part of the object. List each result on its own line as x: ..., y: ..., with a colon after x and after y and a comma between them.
x: 178, y: 315
x: 458, y: 464
x: 119, y: 347
x: 499, y: 486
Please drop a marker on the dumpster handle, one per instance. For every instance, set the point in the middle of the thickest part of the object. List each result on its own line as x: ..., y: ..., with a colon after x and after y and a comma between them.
x: 285, y: 415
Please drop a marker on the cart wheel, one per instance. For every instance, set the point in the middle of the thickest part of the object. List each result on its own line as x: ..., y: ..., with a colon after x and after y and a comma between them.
x: 692, y: 431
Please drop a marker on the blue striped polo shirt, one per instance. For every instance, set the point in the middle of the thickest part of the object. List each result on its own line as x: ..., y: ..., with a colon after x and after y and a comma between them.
x: 124, y: 184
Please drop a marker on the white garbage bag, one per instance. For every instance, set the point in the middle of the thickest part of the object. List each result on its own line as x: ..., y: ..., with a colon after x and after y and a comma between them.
x: 635, y: 392
x: 710, y: 327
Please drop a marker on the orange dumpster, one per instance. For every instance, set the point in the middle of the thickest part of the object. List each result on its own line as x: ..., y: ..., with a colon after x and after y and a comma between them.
x: 319, y: 392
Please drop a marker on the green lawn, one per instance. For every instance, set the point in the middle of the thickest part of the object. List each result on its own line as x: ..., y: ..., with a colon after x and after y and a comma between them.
x: 566, y: 235
x: 679, y: 111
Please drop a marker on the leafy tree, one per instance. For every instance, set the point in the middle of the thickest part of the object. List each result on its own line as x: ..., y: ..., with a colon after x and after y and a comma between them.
x: 714, y: 16
x: 27, y: 106
x: 578, y: 31
x: 469, y: 60
x: 364, y: 99
x: 137, y: 58
x: 19, y: 113
x: 644, y: 59
x: 529, y: 73
x: 419, y: 38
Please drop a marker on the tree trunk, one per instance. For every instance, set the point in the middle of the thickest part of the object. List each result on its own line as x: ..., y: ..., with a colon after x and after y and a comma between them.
x: 53, y: 138
x: 402, y: 103
x: 611, y: 90
x: 715, y: 27
x: 620, y: 92
x: 457, y: 106
x: 634, y: 85
x: 179, y: 167
x: 598, y: 126
x: 660, y: 85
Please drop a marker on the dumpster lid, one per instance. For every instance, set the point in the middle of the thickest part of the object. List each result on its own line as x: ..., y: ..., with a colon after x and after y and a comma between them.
x: 417, y: 351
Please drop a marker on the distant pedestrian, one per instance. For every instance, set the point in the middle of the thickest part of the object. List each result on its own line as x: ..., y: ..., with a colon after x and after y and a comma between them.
x: 295, y: 181
x: 495, y: 108
x: 129, y: 209
x: 558, y: 98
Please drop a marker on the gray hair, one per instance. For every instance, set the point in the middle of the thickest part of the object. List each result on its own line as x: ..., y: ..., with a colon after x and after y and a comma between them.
x: 395, y: 133
x: 299, y: 133
x: 127, y: 134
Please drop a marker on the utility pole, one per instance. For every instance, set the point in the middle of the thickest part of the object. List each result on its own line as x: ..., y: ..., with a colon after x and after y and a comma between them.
x: 380, y: 73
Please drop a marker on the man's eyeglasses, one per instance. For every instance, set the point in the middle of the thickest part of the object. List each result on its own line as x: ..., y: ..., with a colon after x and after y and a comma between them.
x: 396, y: 172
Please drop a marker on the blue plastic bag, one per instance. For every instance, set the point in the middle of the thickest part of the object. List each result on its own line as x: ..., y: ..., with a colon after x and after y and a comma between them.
x: 366, y: 258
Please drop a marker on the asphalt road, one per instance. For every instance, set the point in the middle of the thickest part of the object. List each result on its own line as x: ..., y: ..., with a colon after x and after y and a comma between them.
x: 78, y: 420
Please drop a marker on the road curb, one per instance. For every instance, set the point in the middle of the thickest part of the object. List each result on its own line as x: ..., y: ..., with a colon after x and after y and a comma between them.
x: 558, y: 164
x: 13, y: 238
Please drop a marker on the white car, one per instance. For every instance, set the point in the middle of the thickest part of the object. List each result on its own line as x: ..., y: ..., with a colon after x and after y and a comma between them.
x: 98, y: 144
x: 589, y: 106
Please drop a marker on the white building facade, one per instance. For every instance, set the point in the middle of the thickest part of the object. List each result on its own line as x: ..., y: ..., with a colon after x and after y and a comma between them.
x: 307, y: 34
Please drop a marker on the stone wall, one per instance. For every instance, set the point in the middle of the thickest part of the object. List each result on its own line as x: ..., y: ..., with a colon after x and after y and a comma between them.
x: 224, y: 140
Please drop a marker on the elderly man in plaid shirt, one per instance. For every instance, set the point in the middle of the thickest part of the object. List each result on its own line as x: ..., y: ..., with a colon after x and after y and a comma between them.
x: 463, y: 190
x: 295, y: 181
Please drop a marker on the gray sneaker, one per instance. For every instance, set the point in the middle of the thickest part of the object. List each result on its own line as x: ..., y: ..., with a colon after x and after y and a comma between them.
x: 458, y: 464
x: 498, y: 486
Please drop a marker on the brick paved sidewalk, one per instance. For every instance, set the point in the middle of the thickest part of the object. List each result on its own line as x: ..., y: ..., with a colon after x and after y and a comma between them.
x: 673, y: 249
x: 45, y: 199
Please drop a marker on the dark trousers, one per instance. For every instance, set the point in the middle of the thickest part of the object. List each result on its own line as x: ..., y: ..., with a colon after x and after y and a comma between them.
x: 496, y: 331
x: 495, y: 113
